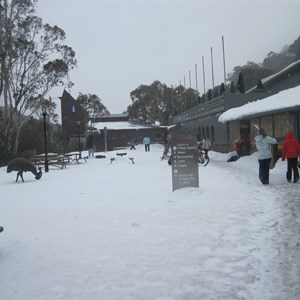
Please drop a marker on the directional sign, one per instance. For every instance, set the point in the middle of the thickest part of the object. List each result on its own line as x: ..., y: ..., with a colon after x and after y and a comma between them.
x: 184, y: 159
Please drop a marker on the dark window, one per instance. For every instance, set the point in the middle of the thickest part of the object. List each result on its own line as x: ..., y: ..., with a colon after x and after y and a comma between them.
x: 203, y: 132
x: 199, y: 134
x: 207, y: 132
x: 212, y: 132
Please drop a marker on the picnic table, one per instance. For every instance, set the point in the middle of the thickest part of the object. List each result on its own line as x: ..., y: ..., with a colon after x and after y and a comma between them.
x: 75, y: 157
x: 54, y: 159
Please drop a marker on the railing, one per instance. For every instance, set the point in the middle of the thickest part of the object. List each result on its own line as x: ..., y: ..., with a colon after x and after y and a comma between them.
x: 201, y: 111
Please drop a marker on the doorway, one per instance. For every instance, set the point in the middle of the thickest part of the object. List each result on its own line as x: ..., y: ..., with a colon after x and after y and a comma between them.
x: 245, y: 137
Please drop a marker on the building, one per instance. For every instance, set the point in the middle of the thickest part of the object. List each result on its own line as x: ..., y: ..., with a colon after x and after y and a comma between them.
x: 205, y: 117
x: 109, y: 132
x: 276, y: 114
x: 73, y: 116
x: 110, y: 135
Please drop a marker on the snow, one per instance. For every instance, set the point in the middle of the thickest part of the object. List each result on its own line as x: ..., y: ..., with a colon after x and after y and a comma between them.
x: 119, y: 125
x: 283, y: 100
x: 101, y: 230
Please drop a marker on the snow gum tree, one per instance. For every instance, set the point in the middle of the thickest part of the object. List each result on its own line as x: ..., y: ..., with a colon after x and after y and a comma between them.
x: 33, y: 61
x: 157, y: 102
x: 92, y: 104
x: 150, y: 103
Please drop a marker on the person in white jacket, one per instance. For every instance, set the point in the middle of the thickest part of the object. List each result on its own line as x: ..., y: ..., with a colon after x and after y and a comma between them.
x: 264, y: 153
x: 206, y: 144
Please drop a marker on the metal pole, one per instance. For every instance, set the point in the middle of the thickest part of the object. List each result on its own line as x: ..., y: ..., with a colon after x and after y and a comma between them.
x: 212, y: 67
x: 45, y: 141
x: 79, y: 145
x: 190, y: 79
x: 203, y: 77
x: 196, y: 77
x: 105, y: 139
x: 172, y: 101
x: 224, y: 61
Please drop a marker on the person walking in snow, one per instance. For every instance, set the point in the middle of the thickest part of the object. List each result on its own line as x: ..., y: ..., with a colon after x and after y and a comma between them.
x: 238, y: 145
x: 263, y: 142
x: 206, y: 144
x: 291, y: 151
x: 132, y: 144
x: 90, y: 145
x: 146, y: 142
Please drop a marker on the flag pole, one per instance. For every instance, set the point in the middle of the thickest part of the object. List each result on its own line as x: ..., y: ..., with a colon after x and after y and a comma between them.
x: 224, y: 61
x: 212, y: 67
x: 196, y: 78
x: 203, y: 76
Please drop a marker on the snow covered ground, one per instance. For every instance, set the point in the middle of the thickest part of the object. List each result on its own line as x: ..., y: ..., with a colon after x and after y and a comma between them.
x: 117, y: 231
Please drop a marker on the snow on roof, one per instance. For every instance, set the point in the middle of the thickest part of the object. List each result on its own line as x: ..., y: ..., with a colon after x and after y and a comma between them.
x: 283, y: 100
x: 118, y: 125
x: 266, y: 79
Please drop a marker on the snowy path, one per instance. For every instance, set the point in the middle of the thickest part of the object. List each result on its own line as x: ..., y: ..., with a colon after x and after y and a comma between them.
x: 117, y: 231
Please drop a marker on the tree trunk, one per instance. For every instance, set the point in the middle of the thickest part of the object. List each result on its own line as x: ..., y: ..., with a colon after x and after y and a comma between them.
x: 16, y: 141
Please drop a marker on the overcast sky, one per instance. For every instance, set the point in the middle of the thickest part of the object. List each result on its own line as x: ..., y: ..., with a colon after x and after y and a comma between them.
x: 120, y: 45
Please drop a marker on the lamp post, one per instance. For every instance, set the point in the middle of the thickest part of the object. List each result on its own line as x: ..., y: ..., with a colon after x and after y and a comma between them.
x: 44, y: 110
x: 79, y: 148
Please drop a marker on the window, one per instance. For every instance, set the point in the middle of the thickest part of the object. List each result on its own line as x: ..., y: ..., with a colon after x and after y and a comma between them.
x: 203, y: 132
x: 212, y: 132
x: 199, y: 137
x: 207, y: 132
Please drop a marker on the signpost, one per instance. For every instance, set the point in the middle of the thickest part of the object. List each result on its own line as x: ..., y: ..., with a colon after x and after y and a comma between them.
x: 184, y: 159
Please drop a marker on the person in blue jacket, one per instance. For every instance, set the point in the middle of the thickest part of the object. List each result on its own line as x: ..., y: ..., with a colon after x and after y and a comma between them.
x: 263, y: 145
x: 146, y: 142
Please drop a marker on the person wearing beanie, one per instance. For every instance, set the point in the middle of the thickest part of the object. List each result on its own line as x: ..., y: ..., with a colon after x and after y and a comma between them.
x: 291, y: 151
x: 264, y: 153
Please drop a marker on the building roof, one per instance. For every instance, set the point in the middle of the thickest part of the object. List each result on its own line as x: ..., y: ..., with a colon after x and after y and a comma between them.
x: 270, y: 78
x: 122, y: 125
x: 125, y: 114
x: 284, y: 100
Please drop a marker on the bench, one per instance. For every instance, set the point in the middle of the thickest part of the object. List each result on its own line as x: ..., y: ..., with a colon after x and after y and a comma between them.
x: 75, y: 157
x: 121, y: 154
x: 113, y: 159
x: 82, y: 158
x: 58, y: 161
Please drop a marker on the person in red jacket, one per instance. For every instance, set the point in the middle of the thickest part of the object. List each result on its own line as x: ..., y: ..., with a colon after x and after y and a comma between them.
x: 291, y: 151
x: 238, y: 145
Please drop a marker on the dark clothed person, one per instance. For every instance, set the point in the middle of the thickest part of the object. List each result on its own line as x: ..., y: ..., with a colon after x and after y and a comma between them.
x: 291, y: 151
